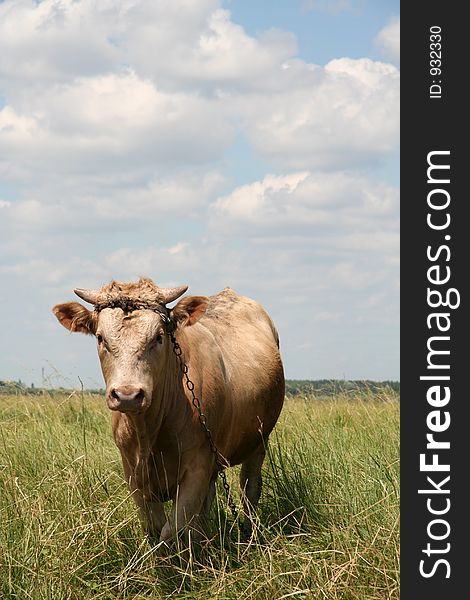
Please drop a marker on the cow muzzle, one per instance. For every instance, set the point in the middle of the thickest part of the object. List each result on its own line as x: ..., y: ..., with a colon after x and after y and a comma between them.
x: 127, y: 399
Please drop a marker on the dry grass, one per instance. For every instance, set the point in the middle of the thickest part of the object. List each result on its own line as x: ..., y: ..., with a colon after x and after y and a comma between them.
x: 327, y: 527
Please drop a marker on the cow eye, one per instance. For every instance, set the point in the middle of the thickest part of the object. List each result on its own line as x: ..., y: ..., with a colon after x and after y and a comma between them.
x: 159, y: 339
x: 102, y: 343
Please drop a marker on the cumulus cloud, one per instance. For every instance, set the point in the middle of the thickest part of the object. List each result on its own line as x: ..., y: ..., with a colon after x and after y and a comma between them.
x: 249, y: 202
x: 44, y: 42
x: 216, y: 54
x: 166, y: 262
x: 319, y: 279
x: 111, y: 122
x: 327, y: 245
x: 194, y: 43
x: 341, y: 226
x: 38, y: 271
x: 388, y: 40
x: 306, y: 202
x: 348, y: 115
x: 102, y: 210
x: 146, y: 85
x: 116, y: 123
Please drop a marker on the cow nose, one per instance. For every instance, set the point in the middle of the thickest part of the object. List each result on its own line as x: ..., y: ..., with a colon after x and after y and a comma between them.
x: 126, y: 398
x: 127, y: 394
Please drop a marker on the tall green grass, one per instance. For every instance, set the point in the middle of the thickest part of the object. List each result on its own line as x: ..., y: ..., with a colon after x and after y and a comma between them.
x: 327, y: 524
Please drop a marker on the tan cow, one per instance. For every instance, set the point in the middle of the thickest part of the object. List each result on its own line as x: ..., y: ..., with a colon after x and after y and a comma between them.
x: 231, y: 348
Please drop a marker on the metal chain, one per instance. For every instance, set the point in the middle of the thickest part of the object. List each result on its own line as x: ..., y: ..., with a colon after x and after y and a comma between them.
x: 219, y: 458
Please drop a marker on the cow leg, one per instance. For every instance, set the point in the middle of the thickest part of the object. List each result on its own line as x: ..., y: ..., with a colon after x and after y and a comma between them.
x: 209, y: 498
x: 152, y: 514
x: 188, y: 506
x: 250, y: 484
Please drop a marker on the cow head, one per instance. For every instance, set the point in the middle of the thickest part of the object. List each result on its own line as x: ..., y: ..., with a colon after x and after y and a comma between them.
x: 131, y: 324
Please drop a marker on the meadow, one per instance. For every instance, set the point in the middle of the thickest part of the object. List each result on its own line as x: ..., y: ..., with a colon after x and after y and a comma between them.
x: 327, y: 527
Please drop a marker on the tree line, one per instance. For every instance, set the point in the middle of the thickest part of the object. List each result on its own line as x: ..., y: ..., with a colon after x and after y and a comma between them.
x: 294, y: 387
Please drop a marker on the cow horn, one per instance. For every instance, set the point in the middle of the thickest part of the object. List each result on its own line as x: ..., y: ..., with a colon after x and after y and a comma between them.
x: 170, y: 294
x: 91, y: 296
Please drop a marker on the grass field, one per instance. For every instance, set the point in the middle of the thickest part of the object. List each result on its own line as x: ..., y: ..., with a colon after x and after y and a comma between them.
x: 328, y: 517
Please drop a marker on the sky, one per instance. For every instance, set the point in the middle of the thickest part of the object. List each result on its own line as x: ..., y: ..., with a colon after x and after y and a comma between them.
x: 209, y: 143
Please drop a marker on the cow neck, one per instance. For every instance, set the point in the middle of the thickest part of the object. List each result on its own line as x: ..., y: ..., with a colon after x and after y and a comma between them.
x: 167, y: 415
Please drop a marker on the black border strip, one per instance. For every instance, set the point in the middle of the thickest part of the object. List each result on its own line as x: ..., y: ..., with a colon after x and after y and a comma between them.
x: 432, y: 123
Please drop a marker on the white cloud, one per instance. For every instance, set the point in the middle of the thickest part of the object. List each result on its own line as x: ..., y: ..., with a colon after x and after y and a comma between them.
x: 249, y: 202
x: 169, y: 260
x: 326, y: 243
x: 111, y: 122
x: 388, y: 40
x: 347, y: 115
x: 115, y: 123
x: 347, y: 275
x: 303, y: 201
x: 148, y: 85
x: 191, y: 43
x: 217, y: 53
x: 311, y: 231
x: 42, y: 43
x: 102, y: 208
x: 39, y: 271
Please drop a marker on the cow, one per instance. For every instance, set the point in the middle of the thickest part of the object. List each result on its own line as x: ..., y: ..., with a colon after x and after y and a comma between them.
x: 230, y: 347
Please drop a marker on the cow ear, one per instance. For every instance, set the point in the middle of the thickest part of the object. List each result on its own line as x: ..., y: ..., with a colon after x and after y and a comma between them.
x: 189, y: 310
x: 75, y: 317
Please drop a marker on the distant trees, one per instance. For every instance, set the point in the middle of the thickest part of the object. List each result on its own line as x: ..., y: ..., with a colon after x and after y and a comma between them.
x: 332, y: 387
x: 12, y: 388
x: 294, y: 387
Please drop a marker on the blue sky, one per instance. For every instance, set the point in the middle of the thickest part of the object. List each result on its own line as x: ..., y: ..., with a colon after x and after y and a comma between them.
x: 324, y: 30
x: 208, y: 143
